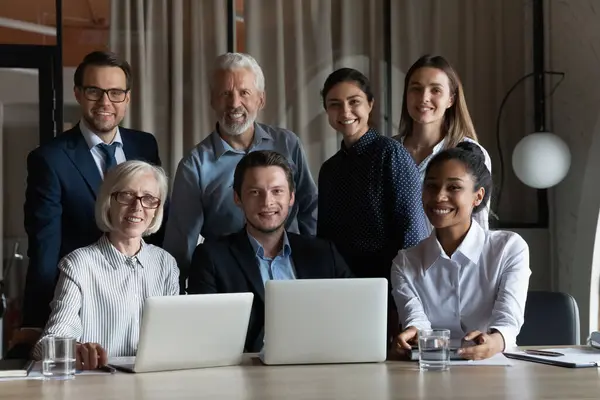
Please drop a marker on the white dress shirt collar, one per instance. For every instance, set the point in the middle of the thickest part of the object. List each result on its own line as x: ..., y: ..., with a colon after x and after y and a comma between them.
x: 440, y: 146
x: 118, y: 259
x: 470, y: 247
x: 483, y: 286
x: 436, y: 149
x: 92, y: 139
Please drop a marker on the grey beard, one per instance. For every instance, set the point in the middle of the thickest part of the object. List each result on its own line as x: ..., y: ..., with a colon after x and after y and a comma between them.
x: 236, y: 129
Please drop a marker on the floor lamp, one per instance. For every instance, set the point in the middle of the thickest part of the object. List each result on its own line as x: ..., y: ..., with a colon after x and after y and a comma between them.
x: 541, y: 159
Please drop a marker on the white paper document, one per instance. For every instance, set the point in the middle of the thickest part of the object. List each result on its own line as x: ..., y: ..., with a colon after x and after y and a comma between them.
x: 575, y: 357
x: 497, y: 360
x: 36, y: 374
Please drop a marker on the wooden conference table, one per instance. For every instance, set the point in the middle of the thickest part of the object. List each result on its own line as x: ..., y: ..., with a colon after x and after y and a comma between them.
x: 390, y: 380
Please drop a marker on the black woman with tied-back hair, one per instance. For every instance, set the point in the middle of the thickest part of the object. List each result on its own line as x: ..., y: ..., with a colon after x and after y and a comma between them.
x: 463, y: 278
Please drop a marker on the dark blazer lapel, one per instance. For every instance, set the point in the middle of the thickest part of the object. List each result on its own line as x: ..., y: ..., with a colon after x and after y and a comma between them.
x: 130, y: 147
x: 305, y: 265
x: 79, y: 152
x: 244, y: 254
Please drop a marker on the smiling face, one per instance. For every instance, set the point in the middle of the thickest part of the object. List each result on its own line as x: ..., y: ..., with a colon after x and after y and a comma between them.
x: 236, y: 100
x: 102, y: 116
x: 265, y: 198
x: 132, y: 220
x: 348, y: 110
x: 449, y: 195
x: 428, y: 96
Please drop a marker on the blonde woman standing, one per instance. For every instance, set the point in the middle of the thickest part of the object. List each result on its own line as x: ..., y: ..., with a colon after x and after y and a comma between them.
x: 435, y: 116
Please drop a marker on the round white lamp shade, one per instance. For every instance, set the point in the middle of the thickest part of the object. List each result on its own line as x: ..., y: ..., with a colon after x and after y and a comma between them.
x: 541, y: 160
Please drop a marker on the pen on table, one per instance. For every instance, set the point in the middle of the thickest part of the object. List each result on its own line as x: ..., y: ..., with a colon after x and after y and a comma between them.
x: 544, y: 353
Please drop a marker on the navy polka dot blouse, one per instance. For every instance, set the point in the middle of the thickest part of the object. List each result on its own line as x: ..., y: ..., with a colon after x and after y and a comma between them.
x: 370, y: 203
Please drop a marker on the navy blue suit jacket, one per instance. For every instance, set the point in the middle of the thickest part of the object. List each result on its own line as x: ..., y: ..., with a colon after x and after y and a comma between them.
x: 229, y: 265
x: 62, y: 183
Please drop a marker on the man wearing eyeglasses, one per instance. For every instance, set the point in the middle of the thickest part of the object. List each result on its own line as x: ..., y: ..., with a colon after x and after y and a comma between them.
x: 64, y: 177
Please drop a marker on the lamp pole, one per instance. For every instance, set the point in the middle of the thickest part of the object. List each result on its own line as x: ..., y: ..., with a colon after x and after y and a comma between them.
x: 387, y: 55
x: 539, y: 95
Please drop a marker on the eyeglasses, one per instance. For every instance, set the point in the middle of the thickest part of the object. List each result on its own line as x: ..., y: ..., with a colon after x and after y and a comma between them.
x: 129, y: 198
x: 93, y: 93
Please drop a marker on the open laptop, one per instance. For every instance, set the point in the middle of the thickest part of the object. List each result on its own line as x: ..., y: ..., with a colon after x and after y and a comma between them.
x: 191, y: 331
x: 316, y: 321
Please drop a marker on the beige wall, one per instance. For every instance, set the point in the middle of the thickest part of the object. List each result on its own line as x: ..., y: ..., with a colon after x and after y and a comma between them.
x: 574, y: 48
x: 20, y: 135
x: 19, y: 97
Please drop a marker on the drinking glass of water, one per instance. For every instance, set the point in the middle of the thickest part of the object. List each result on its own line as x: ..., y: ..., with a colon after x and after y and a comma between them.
x: 59, y: 357
x: 434, y: 349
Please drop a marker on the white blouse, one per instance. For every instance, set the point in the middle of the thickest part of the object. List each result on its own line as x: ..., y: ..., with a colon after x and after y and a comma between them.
x: 482, y: 286
x: 100, y: 295
x: 482, y: 217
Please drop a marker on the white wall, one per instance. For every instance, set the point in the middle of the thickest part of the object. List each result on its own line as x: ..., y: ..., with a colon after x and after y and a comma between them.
x: 574, y: 48
x: 20, y: 86
x: 20, y: 135
x: 19, y: 95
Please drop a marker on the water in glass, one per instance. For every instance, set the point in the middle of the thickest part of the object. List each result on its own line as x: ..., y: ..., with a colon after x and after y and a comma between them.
x: 434, y: 351
x: 59, y: 367
x: 59, y: 357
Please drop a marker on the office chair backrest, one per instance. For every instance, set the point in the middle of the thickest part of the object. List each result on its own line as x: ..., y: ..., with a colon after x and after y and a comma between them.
x: 551, y: 319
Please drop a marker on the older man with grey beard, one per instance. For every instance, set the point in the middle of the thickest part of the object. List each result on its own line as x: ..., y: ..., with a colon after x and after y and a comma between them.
x: 202, y: 204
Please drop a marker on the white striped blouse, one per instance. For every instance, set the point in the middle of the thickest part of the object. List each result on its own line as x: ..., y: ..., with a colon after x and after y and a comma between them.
x: 100, y: 295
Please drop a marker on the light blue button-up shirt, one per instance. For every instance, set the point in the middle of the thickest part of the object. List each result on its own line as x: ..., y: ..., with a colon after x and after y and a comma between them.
x: 202, y: 199
x: 280, y: 267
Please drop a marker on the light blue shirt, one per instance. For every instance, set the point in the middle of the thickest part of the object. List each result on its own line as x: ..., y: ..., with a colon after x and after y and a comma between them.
x: 279, y: 268
x: 202, y: 199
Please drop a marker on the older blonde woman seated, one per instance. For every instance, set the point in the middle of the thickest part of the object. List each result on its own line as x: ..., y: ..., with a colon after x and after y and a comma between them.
x: 102, y: 287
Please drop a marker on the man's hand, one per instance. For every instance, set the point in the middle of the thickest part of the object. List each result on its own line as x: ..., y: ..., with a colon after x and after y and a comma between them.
x: 90, y: 356
x: 486, y: 345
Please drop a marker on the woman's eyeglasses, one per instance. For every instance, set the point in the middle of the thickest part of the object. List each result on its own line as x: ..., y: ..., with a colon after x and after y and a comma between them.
x: 128, y: 198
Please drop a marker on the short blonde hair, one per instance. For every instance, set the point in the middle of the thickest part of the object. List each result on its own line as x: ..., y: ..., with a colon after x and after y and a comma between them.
x: 116, y: 179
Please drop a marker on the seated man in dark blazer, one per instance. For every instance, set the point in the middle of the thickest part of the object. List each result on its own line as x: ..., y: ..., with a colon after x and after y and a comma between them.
x: 65, y: 174
x: 242, y: 262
